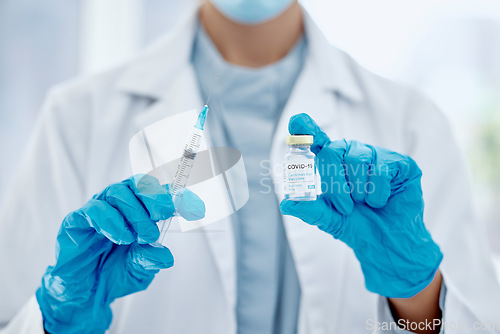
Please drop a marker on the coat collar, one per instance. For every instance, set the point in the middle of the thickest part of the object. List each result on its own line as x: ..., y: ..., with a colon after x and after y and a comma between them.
x: 154, y: 71
x: 333, y: 66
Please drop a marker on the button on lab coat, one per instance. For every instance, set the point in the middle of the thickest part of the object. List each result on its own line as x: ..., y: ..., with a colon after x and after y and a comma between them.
x: 81, y: 145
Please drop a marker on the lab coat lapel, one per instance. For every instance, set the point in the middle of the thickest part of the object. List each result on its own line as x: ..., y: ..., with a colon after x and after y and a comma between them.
x: 182, y: 96
x: 185, y: 95
x: 166, y: 76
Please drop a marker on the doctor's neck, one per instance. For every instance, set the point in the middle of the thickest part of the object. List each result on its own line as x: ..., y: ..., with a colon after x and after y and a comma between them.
x: 253, y: 45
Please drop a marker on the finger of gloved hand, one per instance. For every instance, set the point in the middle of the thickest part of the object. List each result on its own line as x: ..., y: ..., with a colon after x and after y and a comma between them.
x: 318, y: 213
x: 107, y: 221
x: 189, y: 205
x: 358, y: 159
x: 122, y: 198
x: 378, y: 187
x: 402, y: 169
x: 146, y: 259
x: 303, y: 124
x: 329, y: 162
x: 76, y: 236
x: 154, y: 196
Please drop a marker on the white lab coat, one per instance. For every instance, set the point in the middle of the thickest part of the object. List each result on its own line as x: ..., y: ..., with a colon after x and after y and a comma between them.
x: 81, y: 145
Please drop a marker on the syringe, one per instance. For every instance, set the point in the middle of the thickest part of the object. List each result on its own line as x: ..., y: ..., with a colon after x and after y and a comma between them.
x: 186, y: 164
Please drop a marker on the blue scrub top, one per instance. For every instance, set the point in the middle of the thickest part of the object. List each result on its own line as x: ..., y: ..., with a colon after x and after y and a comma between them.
x: 245, y: 106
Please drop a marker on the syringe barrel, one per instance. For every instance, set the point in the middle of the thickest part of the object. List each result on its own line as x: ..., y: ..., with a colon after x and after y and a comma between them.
x: 182, y: 175
x: 187, y: 161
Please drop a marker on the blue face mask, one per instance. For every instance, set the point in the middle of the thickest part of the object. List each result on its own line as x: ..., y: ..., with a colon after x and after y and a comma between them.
x: 251, y: 11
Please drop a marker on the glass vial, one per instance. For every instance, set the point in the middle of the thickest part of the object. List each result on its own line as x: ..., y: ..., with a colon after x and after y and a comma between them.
x: 300, y: 170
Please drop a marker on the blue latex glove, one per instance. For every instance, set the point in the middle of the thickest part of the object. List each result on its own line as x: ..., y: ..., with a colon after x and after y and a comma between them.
x: 103, y: 253
x: 372, y: 200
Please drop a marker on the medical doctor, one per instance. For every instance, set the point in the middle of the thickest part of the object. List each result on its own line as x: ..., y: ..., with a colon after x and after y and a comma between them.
x: 350, y: 262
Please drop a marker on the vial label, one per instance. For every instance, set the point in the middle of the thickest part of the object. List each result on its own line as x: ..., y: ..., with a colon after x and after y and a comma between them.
x: 300, y: 178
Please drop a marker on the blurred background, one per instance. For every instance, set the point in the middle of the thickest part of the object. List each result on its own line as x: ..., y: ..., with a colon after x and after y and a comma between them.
x: 449, y: 49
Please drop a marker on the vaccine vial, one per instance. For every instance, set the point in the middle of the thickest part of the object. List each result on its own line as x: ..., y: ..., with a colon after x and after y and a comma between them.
x: 300, y: 170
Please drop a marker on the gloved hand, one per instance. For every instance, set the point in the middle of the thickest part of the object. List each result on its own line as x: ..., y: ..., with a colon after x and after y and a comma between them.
x: 372, y: 201
x: 103, y: 253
